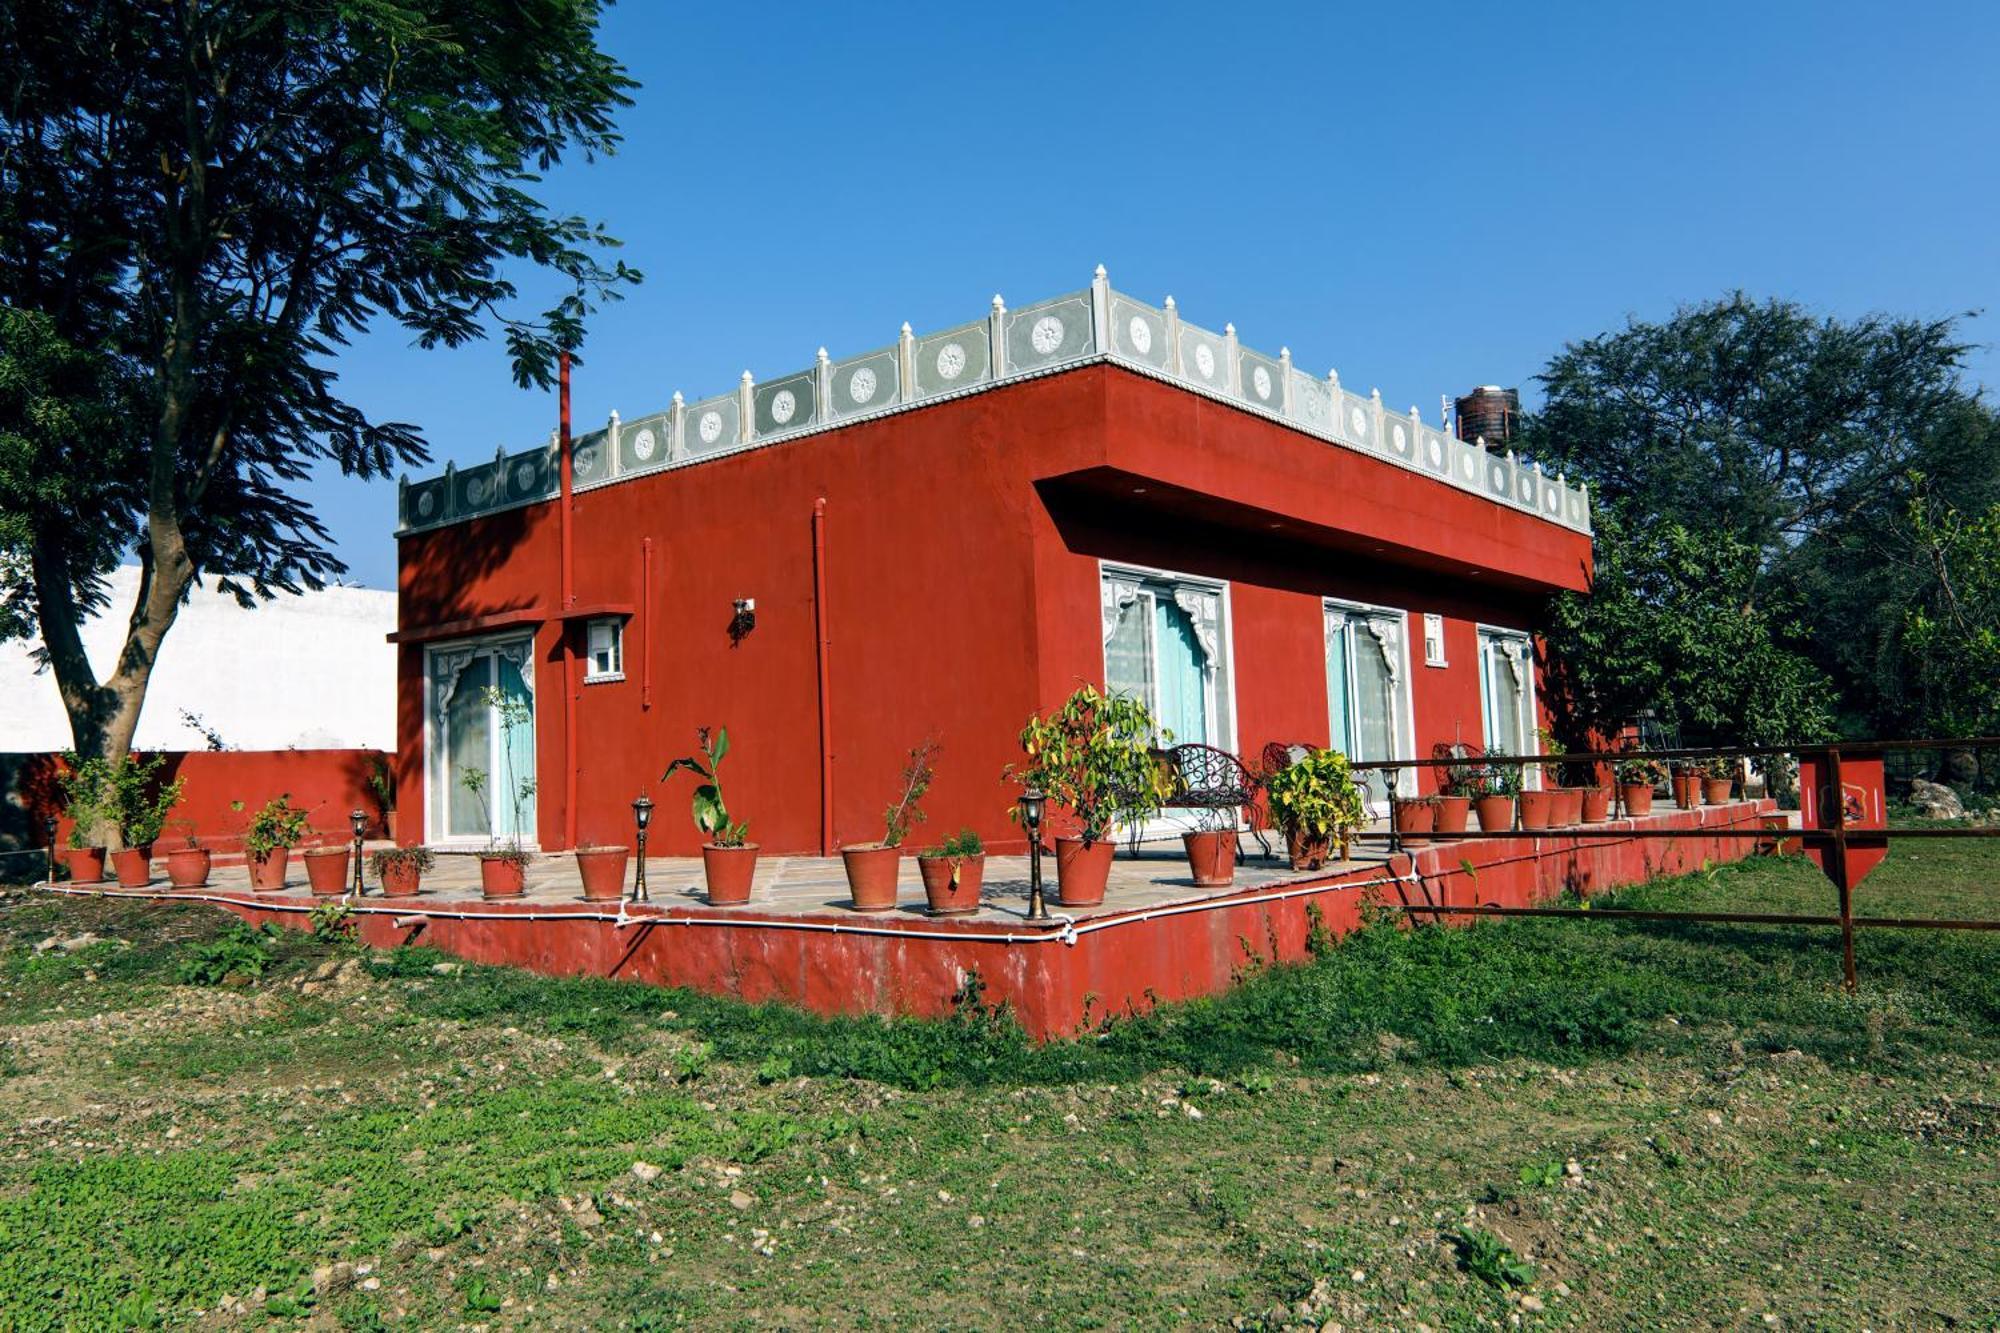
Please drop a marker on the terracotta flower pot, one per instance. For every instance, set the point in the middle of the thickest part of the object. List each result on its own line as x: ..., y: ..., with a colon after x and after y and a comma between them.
x: 1638, y: 798
x: 730, y: 872
x: 1451, y: 813
x: 1537, y: 809
x: 267, y: 871
x: 389, y: 825
x: 951, y: 883
x: 326, y: 871
x: 1082, y: 872
x: 1309, y: 851
x: 187, y: 867
x: 871, y: 875
x: 1415, y: 821
x: 1496, y: 813
x: 1596, y: 804
x: 1568, y: 807
x: 401, y: 879
x: 603, y: 872
x: 1715, y: 791
x: 134, y: 866
x: 502, y: 877
x: 1211, y: 855
x: 85, y: 864
x: 1687, y: 790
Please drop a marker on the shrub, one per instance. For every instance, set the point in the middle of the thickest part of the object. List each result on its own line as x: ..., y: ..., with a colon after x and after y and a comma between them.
x: 1093, y: 757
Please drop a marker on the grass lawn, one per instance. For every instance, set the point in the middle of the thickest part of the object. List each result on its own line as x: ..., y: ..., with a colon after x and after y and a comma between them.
x: 1581, y: 1124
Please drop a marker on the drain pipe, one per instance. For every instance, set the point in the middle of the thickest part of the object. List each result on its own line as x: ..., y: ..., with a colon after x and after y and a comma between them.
x: 568, y: 601
x: 825, y: 672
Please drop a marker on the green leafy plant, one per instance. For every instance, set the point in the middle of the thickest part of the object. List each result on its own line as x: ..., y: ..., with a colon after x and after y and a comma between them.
x: 278, y: 824
x: 1542, y: 1175
x: 1640, y: 772
x: 1718, y: 768
x: 1465, y: 774
x: 1505, y: 779
x: 1492, y: 1261
x: 918, y: 771
x: 480, y: 1296
x: 137, y: 801
x: 389, y: 858
x: 86, y: 794
x: 1093, y: 757
x: 1315, y: 796
x: 711, y: 816
x: 382, y: 781
x: 242, y: 952
x: 958, y: 846
x: 332, y: 920
x: 515, y: 715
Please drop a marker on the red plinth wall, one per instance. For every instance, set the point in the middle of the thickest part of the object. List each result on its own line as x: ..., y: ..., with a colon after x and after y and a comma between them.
x: 1058, y: 982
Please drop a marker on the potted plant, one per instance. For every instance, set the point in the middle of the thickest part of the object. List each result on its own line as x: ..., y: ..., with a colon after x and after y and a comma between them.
x: 952, y: 872
x: 399, y: 870
x: 1416, y: 820
x: 1636, y: 778
x: 503, y: 865
x: 602, y: 870
x: 382, y: 782
x: 138, y: 804
x: 872, y: 867
x: 1460, y: 782
x: 85, y: 793
x: 1211, y: 849
x: 1314, y: 801
x: 728, y: 858
x: 1093, y: 758
x: 1718, y: 775
x: 1499, y: 785
x: 268, y: 842
x: 1686, y: 783
x: 188, y: 864
x: 326, y: 870
x: 1596, y: 803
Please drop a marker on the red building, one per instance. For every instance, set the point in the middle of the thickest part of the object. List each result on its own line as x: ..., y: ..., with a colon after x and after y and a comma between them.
x: 941, y: 537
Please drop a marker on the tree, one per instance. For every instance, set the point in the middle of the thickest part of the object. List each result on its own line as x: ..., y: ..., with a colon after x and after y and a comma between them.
x: 201, y: 202
x: 1671, y: 626
x: 1768, y: 450
x: 1952, y: 632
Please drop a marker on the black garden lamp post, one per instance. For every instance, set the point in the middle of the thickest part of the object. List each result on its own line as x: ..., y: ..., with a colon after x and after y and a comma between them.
x: 52, y: 849
x: 1031, y: 804
x: 358, y: 821
x: 642, y: 815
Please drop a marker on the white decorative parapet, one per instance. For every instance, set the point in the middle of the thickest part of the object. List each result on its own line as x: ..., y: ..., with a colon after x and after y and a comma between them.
x: 1096, y: 324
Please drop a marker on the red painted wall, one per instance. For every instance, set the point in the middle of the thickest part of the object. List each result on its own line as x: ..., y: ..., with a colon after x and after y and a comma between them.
x: 327, y: 783
x: 963, y: 540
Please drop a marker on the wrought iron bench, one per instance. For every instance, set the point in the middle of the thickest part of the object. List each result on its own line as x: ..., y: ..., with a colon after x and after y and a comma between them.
x: 1201, y: 777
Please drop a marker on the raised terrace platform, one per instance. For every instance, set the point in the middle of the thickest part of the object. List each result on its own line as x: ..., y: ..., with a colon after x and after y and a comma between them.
x: 1156, y: 937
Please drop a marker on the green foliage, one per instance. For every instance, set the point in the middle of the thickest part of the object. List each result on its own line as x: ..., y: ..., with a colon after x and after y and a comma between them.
x: 137, y: 801
x: 86, y: 786
x: 1952, y: 635
x: 1093, y: 757
x: 1465, y: 775
x: 515, y: 717
x: 959, y: 845
x: 918, y: 771
x: 241, y: 952
x: 278, y: 824
x: 1542, y: 1175
x: 1750, y: 464
x: 1640, y: 772
x: 188, y: 240
x: 1316, y: 796
x: 382, y: 782
x: 711, y: 816
x: 1676, y: 622
x: 388, y: 858
x: 1492, y: 1260
x: 479, y: 1293
x: 333, y: 920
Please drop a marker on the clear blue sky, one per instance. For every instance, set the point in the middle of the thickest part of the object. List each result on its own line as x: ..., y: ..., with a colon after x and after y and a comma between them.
x: 1426, y: 199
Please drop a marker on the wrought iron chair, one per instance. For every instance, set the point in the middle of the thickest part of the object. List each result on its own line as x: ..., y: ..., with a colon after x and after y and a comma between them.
x: 1203, y: 777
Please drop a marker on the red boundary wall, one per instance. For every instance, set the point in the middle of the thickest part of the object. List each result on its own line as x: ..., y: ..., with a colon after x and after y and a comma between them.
x: 327, y: 783
x: 1057, y: 982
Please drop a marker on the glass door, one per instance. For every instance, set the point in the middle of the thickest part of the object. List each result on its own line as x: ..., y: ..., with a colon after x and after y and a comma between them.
x: 481, y: 725
x: 1366, y: 711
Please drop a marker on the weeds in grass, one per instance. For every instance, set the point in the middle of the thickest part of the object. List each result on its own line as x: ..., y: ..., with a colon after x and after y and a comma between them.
x: 1491, y: 1260
x: 241, y: 952
x: 1542, y: 1175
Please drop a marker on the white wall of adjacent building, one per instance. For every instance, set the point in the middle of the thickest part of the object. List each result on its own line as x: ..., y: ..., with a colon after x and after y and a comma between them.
x: 307, y: 672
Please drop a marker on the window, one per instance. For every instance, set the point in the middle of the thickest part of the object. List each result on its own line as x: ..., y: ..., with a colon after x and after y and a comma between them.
x: 1507, y: 694
x: 605, y: 656
x: 1433, y: 640
x: 1163, y: 640
x: 1367, y: 689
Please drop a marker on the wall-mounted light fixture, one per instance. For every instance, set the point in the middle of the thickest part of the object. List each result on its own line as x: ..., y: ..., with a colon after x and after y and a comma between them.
x: 743, y: 620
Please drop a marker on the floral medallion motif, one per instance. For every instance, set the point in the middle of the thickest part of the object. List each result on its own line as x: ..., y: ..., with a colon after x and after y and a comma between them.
x: 1357, y: 421
x: 951, y: 361
x: 643, y: 445
x: 1047, y: 335
x: 1140, y: 334
x: 710, y: 427
x: 427, y: 503
x: 1260, y: 383
x: 1204, y: 361
x: 784, y: 407
x: 861, y: 385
